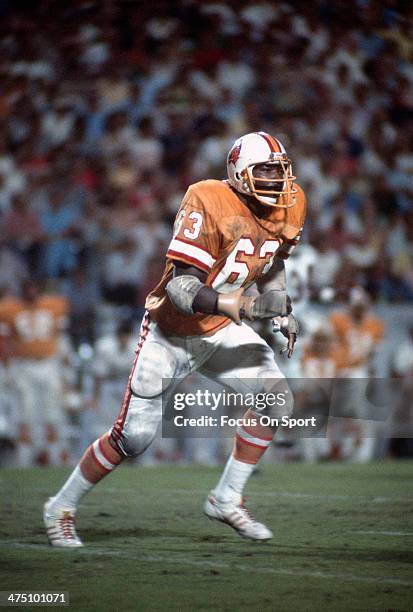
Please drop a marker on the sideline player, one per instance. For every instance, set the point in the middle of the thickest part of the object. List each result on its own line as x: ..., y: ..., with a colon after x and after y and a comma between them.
x: 359, y: 334
x: 228, y: 236
x: 31, y: 325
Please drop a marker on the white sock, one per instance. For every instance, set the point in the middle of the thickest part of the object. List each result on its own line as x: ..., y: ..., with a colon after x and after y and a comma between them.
x: 72, y: 491
x: 233, y: 480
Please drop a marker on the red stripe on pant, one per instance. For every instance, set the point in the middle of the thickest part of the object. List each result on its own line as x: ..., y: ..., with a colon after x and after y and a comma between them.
x: 120, y: 421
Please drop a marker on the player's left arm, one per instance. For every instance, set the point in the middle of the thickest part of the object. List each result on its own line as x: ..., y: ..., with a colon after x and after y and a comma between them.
x: 276, y: 277
x: 275, y: 280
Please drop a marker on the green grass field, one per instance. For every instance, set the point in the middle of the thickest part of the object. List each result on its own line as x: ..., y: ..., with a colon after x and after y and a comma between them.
x: 343, y: 540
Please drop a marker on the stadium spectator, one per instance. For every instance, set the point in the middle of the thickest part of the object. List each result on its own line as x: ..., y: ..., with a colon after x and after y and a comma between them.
x: 142, y: 94
x: 21, y: 229
x: 82, y: 292
x: 13, y: 270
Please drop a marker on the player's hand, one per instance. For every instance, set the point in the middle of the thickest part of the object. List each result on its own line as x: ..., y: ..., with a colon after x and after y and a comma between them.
x: 234, y: 305
x: 289, y: 328
x: 264, y: 306
x: 290, y: 345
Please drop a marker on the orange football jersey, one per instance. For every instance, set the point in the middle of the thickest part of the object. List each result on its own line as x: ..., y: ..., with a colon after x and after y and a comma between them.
x: 32, y: 330
x: 315, y: 365
x: 357, y: 338
x: 217, y: 233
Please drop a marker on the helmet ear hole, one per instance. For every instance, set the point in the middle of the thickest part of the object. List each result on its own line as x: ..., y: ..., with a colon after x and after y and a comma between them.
x: 237, y: 176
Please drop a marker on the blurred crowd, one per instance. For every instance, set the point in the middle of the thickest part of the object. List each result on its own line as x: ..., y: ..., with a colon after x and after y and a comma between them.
x: 109, y: 110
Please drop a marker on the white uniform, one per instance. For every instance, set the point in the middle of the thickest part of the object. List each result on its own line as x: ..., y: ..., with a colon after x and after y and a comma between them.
x: 161, y: 356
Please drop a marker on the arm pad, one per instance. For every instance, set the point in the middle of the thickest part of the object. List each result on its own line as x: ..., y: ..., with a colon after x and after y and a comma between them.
x: 182, y: 290
x: 269, y: 304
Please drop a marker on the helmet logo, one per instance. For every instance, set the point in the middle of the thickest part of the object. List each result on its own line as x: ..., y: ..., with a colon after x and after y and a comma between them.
x: 234, y: 154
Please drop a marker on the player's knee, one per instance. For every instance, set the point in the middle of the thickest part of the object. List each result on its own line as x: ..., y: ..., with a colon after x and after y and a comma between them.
x: 135, y: 446
x: 155, y: 367
x: 139, y: 428
x: 275, y: 400
x: 134, y: 442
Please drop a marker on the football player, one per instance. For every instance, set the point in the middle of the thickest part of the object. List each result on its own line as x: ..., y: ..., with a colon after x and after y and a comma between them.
x: 32, y: 325
x: 359, y: 333
x: 228, y: 236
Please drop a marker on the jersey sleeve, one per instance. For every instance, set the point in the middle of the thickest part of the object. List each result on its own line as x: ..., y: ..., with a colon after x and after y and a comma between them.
x: 196, y: 236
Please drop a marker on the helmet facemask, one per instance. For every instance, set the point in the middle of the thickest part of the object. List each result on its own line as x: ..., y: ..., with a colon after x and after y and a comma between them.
x: 268, y: 191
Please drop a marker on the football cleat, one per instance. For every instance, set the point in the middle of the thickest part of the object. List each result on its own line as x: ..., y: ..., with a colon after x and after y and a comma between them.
x: 236, y: 516
x: 60, y: 527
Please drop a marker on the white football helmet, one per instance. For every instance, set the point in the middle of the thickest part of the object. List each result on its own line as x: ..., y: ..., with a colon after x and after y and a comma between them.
x: 255, y: 149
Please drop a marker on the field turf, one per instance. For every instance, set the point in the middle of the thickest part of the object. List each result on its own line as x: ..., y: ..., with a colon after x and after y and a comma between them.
x: 343, y: 540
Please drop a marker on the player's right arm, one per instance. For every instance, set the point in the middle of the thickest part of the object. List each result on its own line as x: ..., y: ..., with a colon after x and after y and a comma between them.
x: 189, y: 294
